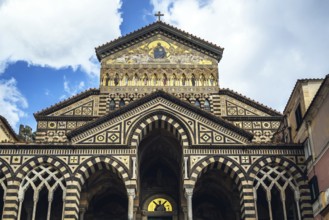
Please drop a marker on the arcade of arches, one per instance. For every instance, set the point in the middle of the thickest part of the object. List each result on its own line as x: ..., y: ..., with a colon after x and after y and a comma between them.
x: 158, y: 140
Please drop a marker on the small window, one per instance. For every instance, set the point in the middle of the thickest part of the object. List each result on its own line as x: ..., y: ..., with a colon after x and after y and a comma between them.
x: 122, y: 103
x: 307, y: 149
x: 314, y: 187
x: 112, y: 104
x: 207, y: 105
x: 298, y: 115
x: 197, y: 103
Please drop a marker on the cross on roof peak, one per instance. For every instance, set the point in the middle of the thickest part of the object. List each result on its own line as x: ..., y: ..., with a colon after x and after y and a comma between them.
x: 159, y: 15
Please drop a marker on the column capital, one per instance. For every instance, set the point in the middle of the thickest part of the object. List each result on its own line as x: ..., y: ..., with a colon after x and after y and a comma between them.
x: 189, y: 192
x: 131, y: 192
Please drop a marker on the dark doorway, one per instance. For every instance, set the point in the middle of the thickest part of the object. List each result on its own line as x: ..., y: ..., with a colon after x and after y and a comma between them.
x: 216, y: 197
x: 160, y: 156
x: 104, y: 197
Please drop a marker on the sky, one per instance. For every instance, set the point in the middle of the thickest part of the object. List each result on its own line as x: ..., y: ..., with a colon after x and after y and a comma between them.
x: 47, y: 47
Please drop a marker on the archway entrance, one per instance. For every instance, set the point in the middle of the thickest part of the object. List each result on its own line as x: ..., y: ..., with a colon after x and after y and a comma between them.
x: 104, y: 196
x: 216, y: 197
x: 160, y: 170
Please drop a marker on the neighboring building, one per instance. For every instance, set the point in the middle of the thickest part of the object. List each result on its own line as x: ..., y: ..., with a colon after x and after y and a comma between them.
x: 157, y: 140
x: 7, y: 134
x: 25, y: 133
x: 307, y: 122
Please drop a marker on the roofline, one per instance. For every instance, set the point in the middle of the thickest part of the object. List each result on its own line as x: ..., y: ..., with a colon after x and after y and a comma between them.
x: 324, y: 84
x: 66, y: 102
x: 151, y: 96
x: 155, y: 28
x: 298, y: 82
x: 10, y: 129
x: 68, y: 146
x: 253, y: 118
x: 250, y: 102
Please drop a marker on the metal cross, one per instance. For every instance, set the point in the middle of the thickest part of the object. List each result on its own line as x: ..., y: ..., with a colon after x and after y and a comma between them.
x: 159, y: 15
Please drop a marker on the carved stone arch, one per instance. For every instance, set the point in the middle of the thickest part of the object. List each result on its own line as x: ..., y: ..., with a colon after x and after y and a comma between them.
x: 291, y: 167
x: 297, y: 174
x: 5, y: 169
x: 30, y: 164
x: 229, y: 167
x: 149, y: 122
x: 90, y: 166
x: 38, y: 174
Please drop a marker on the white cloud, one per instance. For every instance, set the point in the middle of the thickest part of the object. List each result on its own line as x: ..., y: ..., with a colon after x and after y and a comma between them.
x: 268, y: 44
x: 57, y: 33
x: 70, y: 89
x: 12, y: 102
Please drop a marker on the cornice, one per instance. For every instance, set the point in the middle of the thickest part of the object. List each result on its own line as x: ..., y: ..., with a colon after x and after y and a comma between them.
x: 153, y: 29
x: 66, y: 102
x: 169, y: 97
x: 250, y: 102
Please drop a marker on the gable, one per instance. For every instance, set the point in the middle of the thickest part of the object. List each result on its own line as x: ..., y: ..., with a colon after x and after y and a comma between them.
x: 83, y: 104
x: 165, y: 30
x: 234, y: 104
x: 159, y: 50
x: 7, y: 134
x: 119, y: 128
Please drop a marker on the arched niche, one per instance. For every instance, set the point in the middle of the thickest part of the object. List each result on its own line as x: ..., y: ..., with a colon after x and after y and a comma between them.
x: 160, y: 172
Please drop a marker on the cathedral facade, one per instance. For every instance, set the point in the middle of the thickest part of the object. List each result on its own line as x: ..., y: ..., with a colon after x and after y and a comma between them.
x: 158, y: 140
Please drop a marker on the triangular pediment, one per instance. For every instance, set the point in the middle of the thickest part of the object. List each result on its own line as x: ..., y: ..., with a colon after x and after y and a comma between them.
x: 82, y: 104
x: 7, y: 134
x: 237, y: 105
x: 200, y: 127
x: 159, y: 30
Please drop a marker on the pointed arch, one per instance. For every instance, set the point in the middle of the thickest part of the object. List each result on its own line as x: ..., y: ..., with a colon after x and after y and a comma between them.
x: 289, y: 167
x: 228, y: 167
x: 89, y: 167
x: 42, y: 174
x: 36, y: 161
x: 159, y: 119
x: 11, y: 210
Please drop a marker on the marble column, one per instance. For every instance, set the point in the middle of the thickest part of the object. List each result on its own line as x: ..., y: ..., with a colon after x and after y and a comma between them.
x: 82, y: 212
x: 131, y: 196
x: 188, y: 195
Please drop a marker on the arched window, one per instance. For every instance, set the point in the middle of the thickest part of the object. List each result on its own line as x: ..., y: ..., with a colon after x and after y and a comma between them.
x: 112, y: 104
x: 193, y: 80
x: 211, y: 80
x: 202, y: 79
x: 276, y: 194
x: 145, y: 79
x: 108, y: 80
x: 197, y: 103
x: 135, y: 79
x: 41, y: 194
x: 125, y: 80
x: 207, y: 105
x: 122, y: 103
x: 154, y: 79
x: 116, y: 79
x: 164, y: 79
x: 183, y: 80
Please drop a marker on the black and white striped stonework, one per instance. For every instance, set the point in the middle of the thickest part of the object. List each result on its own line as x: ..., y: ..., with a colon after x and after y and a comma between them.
x: 159, y: 121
